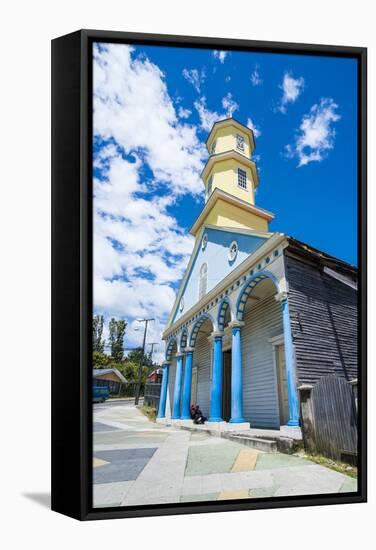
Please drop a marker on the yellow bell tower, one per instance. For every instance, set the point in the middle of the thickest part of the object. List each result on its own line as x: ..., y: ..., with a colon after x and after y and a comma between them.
x: 230, y: 178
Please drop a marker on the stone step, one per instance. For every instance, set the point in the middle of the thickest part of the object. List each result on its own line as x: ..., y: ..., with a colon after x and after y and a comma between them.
x: 262, y: 444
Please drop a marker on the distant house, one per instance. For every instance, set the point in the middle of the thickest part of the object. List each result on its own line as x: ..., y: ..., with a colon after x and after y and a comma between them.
x: 155, y: 376
x: 112, y: 378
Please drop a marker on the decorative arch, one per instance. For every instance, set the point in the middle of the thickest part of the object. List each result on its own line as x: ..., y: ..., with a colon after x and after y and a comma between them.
x: 222, y: 310
x: 183, y: 339
x: 248, y: 288
x: 196, y: 327
x: 169, y: 347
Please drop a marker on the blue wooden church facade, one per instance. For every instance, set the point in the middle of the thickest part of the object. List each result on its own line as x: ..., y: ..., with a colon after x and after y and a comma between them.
x: 257, y: 313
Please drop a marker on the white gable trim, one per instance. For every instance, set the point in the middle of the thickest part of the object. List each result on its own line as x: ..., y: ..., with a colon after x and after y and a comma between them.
x: 342, y: 278
x: 188, y: 270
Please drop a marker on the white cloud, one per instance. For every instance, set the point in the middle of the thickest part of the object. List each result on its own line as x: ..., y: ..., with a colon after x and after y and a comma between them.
x: 256, y: 130
x: 132, y: 106
x: 184, y: 113
x: 230, y: 105
x: 291, y: 88
x: 316, y: 134
x: 255, y: 78
x: 220, y: 54
x: 146, y: 158
x: 208, y: 118
x: 195, y: 77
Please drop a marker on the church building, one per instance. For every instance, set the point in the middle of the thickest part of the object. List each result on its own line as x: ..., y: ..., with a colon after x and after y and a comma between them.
x: 258, y: 313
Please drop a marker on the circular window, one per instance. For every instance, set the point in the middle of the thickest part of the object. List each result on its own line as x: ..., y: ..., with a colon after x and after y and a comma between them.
x: 181, y: 306
x: 204, y: 241
x: 233, y: 251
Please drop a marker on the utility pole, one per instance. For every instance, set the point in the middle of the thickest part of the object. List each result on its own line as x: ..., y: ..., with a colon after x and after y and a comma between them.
x: 138, y: 387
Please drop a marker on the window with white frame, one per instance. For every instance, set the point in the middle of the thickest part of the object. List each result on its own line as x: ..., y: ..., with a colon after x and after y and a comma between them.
x: 240, y: 142
x: 242, y: 178
x: 203, y: 281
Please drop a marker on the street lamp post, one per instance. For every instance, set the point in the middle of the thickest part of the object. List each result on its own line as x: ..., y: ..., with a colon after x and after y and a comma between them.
x: 139, y: 380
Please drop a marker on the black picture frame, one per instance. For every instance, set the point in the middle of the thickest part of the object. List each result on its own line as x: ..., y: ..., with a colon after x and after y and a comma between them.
x: 72, y: 273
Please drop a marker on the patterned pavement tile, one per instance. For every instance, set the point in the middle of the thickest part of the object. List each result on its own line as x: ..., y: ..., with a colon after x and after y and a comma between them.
x: 118, y: 437
x: 110, y: 494
x: 124, y: 465
x: 232, y: 495
x: 199, y: 498
x: 269, y: 461
x: 97, y: 462
x: 100, y: 427
x: 245, y: 461
x: 210, y: 459
x: 263, y: 492
x: 349, y: 485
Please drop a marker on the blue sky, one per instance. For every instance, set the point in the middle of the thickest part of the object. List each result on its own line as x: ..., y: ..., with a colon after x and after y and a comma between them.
x: 153, y: 107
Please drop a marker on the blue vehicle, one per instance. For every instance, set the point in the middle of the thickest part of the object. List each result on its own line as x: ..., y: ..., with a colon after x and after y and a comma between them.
x: 100, y: 394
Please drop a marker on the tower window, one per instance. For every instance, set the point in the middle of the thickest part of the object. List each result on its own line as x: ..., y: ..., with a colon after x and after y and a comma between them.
x: 212, y: 150
x: 239, y: 142
x: 210, y: 185
x: 203, y: 281
x: 242, y: 178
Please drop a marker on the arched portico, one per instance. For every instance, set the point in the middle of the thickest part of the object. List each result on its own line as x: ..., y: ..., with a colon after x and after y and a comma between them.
x: 259, y: 287
x: 224, y: 313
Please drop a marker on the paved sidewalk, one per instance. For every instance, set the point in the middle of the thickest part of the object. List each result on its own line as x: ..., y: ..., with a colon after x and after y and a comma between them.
x: 140, y: 462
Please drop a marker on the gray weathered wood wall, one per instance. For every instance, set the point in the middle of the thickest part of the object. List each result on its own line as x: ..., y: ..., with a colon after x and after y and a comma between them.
x: 323, y: 315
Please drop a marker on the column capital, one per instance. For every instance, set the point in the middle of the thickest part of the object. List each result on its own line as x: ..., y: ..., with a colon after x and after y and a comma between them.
x: 188, y: 349
x: 281, y: 296
x: 179, y: 354
x: 217, y: 334
x: 166, y: 364
x: 236, y: 324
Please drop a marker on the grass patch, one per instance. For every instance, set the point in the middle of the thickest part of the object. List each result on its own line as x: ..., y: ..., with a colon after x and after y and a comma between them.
x: 335, y: 465
x: 149, y: 412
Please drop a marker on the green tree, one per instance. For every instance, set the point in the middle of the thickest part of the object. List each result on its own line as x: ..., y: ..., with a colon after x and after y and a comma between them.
x: 117, y: 331
x: 98, y: 343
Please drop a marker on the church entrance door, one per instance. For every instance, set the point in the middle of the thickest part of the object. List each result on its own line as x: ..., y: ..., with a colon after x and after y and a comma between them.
x: 226, y: 386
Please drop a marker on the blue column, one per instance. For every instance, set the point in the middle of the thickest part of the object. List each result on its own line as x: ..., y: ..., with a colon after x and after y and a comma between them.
x: 216, y: 385
x: 236, y: 377
x: 186, y: 399
x: 290, y: 363
x: 163, y: 397
x: 177, y: 389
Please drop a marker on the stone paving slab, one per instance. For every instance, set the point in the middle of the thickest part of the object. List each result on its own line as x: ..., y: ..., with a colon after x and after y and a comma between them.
x: 165, y: 464
x: 233, y: 495
x: 162, y: 478
x: 267, y: 461
x: 110, y: 494
x: 245, y: 461
x: 307, y: 480
x: 211, y: 459
x: 116, y: 437
x: 199, y: 498
x: 124, y: 465
x: 100, y: 427
x: 349, y: 485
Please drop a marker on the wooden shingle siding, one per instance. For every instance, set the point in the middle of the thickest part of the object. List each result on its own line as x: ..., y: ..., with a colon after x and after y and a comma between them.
x: 260, y: 393
x: 201, y: 359
x: 323, y: 314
